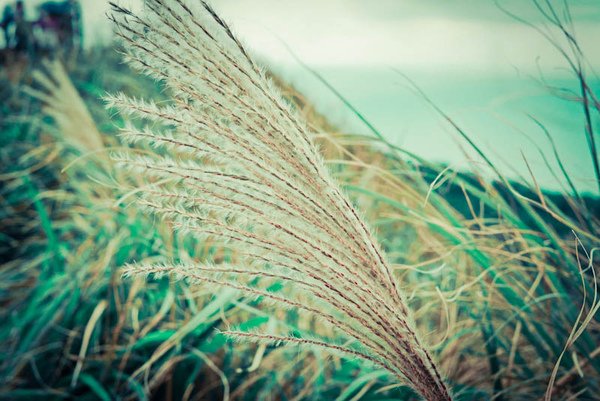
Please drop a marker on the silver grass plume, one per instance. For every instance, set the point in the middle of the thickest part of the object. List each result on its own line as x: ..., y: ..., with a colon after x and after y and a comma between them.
x: 63, y: 103
x: 237, y: 165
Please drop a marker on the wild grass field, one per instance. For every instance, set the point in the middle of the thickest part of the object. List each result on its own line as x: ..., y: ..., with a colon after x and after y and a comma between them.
x: 498, y: 276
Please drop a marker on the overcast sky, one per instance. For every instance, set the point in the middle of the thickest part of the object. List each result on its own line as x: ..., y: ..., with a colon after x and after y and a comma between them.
x: 420, y: 34
x: 476, y: 62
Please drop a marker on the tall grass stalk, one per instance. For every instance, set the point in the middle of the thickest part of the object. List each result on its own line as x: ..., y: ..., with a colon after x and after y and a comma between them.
x: 236, y: 164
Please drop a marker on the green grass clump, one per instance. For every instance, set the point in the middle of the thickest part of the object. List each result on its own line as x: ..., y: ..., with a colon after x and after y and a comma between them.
x: 71, y: 326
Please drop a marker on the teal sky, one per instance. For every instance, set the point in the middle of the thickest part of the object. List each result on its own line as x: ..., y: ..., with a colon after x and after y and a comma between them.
x: 480, y: 65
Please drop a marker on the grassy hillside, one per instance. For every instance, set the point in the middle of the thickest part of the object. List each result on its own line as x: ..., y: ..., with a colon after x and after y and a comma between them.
x: 501, y: 277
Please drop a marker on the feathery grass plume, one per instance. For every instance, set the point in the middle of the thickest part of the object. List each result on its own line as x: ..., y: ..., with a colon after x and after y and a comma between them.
x: 63, y: 103
x: 236, y: 164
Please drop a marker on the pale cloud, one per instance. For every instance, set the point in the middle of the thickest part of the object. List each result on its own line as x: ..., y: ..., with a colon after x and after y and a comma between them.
x: 408, y: 34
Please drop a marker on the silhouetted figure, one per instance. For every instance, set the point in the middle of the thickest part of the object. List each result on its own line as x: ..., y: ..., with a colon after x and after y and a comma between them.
x: 62, y: 18
x: 17, y: 30
x: 8, y: 18
x: 22, y: 29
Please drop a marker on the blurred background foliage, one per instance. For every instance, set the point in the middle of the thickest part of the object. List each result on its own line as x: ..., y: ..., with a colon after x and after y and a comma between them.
x: 500, y: 274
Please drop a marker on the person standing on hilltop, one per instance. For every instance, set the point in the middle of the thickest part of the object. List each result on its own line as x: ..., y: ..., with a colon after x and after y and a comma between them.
x: 22, y: 29
x: 8, y: 18
x: 63, y: 18
x: 17, y: 31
